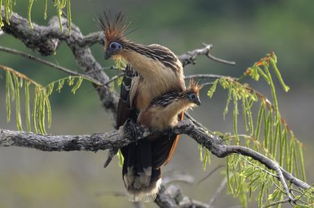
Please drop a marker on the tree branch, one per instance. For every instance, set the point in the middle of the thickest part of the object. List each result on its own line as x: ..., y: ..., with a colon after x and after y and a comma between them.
x: 220, y: 188
x: 190, y: 56
x: 172, y: 197
x: 48, y: 63
x: 119, y: 138
x: 46, y: 39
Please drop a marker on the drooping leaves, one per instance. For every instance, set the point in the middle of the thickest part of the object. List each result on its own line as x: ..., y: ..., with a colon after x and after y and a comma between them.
x: 36, y: 109
x: 264, y: 130
x: 60, y: 6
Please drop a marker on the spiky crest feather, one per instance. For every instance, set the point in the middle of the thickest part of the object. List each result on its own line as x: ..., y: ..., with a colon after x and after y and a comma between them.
x: 113, y: 26
x: 194, y: 87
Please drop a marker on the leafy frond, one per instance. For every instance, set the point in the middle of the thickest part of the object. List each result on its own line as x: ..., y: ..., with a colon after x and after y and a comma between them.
x: 36, y: 113
x: 264, y: 130
x: 60, y: 6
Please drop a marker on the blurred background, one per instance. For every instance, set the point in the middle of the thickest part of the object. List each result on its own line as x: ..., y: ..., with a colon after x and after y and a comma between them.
x: 242, y: 31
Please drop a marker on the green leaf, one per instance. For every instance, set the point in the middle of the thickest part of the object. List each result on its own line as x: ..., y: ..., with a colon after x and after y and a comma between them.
x: 27, y: 107
x: 77, y: 85
x: 212, y: 89
x: 120, y: 157
x: 273, y: 61
x: 29, y: 12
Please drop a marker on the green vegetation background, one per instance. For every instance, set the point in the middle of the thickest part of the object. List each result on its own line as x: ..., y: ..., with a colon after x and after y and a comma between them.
x: 242, y: 31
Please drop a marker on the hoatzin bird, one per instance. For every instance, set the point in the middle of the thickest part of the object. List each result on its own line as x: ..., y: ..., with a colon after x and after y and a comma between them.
x: 157, y: 71
x: 163, y: 110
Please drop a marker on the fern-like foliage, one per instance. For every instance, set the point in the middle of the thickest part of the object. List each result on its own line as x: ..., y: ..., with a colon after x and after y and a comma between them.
x: 60, y: 6
x: 37, y: 108
x: 265, y: 131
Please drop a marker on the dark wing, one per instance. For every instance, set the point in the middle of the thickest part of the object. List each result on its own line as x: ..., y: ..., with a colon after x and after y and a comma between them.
x: 125, y: 110
x: 140, y: 178
x: 164, y: 147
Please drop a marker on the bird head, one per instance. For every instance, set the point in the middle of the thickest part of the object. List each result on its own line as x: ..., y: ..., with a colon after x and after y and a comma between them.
x: 114, y: 27
x: 192, y: 93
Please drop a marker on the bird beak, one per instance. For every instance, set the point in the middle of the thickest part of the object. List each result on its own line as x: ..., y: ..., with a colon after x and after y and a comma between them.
x: 108, y: 54
x: 197, y: 101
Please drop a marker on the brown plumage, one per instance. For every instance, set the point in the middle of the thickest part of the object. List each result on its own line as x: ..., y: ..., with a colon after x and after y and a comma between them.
x: 114, y: 27
x: 158, y: 71
x: 163, y: 110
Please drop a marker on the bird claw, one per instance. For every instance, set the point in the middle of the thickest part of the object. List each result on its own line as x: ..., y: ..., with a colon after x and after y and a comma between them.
x: 131, y: 129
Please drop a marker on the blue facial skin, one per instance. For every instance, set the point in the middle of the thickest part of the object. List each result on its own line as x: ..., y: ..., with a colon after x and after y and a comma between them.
x: 112, y: 49
x: 194, y: 98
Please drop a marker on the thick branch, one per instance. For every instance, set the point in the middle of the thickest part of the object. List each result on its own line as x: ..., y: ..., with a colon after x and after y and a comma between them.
x: 119, y: 138
x: 62, y: 143
x: 46, y: 39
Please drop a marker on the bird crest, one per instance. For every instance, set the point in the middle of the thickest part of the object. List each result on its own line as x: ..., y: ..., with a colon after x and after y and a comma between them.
x: 113, y: 26
x: 194, y: 86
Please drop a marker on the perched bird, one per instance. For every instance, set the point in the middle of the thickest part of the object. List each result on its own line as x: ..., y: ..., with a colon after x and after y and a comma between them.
x: 163, y: 110
x: 157, y: 71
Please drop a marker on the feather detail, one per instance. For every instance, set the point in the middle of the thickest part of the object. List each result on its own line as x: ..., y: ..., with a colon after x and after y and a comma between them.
x: 163, y: 110
x: 194, y: 87
x: 157, y: 53
x: 113, y: 26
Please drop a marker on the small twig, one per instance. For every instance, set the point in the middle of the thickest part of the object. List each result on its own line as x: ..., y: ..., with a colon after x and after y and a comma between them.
x: 210, y: 174
x: 220, y: 188
x: 284, y: 184
x: 277, y: 203
x: 206, y: 84
x: 190, y: 56
x: 114, y: 78
x: 296, y: 190
x: 111, y: 153
x: 19, y: 74
x: 48, y: 63
x: 278, y: 187
x: 271, y: 164
x: 262, y: 169
x: 294, y: 180
x: 206, y: 76
x: 178, y: 177
x: 219, y: 60
x: 112, y: 68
